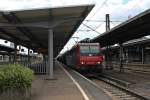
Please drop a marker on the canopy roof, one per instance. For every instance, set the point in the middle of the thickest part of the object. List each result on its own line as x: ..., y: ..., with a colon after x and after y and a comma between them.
x: 133, y: 28
x: 30, y: 27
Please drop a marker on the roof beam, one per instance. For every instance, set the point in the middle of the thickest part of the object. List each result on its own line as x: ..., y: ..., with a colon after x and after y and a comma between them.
x: 9, y: 34
x: 43, y: 24
x: 13, y: 19
x: 14, y: 39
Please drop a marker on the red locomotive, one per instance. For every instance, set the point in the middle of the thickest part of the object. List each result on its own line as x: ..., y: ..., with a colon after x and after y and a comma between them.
x: 84, y: 57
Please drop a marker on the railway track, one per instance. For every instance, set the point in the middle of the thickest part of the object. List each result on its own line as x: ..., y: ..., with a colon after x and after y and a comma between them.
x: 115, y: 88
x: 118, y: 91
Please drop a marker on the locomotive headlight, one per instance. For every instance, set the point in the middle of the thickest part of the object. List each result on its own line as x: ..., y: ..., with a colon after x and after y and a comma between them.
x: 82, y: 62
x: 98, y: 62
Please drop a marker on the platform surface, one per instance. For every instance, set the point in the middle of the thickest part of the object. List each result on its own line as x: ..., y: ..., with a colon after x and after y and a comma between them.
x: 62, y: 88
x: 140, y: 81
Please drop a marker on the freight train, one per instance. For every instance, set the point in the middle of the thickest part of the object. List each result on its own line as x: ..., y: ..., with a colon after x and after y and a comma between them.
x: 84, y: 57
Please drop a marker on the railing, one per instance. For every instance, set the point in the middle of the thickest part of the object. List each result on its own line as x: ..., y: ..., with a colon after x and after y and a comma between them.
x: 133, y: 67
x: 39, y: 67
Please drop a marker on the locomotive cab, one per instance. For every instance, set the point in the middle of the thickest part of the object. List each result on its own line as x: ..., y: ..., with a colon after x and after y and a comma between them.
x: 84, y: 57
x: 90, y: 57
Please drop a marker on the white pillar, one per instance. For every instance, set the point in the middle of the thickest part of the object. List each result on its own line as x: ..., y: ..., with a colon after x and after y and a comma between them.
x: 50, y: 54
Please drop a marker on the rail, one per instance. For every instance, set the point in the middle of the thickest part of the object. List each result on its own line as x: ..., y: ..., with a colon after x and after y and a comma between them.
x: 121, y: 82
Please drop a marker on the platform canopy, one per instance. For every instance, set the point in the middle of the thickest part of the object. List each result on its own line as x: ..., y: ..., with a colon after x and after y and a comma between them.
x: 30, y: 27
x: 133, y: 28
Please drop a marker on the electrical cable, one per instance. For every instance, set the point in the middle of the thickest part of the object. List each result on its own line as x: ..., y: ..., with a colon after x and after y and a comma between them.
x: 99, y: 8
x: 105, y: 1
x: 99, y: 26
x: 113, y: 24
x: 103, y: 20
x: 91, y: 28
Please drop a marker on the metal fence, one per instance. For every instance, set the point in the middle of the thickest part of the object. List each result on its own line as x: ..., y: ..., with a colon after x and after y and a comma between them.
x: 145, y: 68
x: 39, y: 67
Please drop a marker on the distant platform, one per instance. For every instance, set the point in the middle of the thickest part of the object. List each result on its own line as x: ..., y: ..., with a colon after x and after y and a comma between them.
x: 141, y: 81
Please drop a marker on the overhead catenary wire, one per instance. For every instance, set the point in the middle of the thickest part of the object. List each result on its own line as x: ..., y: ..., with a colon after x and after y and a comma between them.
x: 105, y: 1
x: 91, y: 28
x: 94, y: 20
x: 99, y: 8
x: 113, y: 24
x: 99, y: 25
x: 104, y: 20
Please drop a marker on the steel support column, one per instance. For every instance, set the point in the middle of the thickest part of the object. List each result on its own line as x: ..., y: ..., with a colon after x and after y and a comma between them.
x: 107, y: 22
x: 15, y: 53
x: 29, y: 56
x: 121, y: 58
x: 9, y: 57
x: 142, y: 55
x: 107, y: 60
x: 50, y: 54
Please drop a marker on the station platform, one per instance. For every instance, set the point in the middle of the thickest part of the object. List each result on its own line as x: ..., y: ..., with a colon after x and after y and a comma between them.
x: 61, y: 88
x: 140, y: 82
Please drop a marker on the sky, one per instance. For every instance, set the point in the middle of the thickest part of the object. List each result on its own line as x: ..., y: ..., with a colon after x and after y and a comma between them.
x: 119, y: 10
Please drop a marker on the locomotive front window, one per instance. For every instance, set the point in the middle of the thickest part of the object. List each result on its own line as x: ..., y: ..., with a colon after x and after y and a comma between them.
x: 89, y: 49
x: 94, y: 49
x: 84, y: 49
